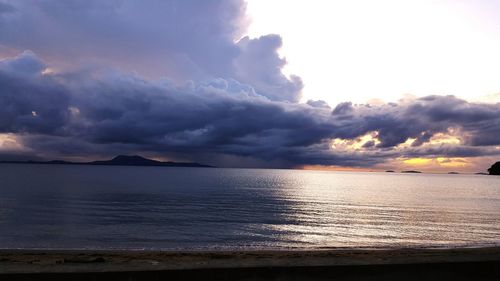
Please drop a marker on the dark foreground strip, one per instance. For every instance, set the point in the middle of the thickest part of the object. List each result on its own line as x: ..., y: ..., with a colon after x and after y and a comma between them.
x: 434, y: 271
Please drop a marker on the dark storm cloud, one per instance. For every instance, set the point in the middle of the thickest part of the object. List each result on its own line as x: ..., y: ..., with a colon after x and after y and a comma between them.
x: 27, y: 100
x: 26, y: 63
x: 105, y: 112
x: 260, y: 65
x: 198, y: 34
x: 343, y: 108
x: 5, y: 8
x: 451, y: 151
x: 421, y: 119
x: 318, y: 103
x: 101, y: 90
x: 179, y: 39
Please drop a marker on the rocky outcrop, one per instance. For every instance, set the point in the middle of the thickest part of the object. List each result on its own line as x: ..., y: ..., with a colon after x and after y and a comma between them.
x: 495, y: 169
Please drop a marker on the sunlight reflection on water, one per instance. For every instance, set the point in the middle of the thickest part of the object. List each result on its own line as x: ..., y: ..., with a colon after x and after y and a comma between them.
x: 196, y: 208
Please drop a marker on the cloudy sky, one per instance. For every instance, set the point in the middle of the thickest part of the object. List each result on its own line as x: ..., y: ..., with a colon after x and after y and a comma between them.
x: 367, y: 85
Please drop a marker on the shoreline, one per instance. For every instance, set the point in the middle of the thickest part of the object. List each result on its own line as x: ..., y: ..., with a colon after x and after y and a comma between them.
x: 88, y: 261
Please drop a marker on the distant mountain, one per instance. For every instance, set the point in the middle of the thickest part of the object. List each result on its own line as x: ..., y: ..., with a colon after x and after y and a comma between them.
x: 495, y: 169
x: 120, y: 160
x: 135, y: 160
x: 411, y: 172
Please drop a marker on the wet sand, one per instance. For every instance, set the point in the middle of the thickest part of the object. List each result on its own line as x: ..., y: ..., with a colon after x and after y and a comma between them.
x: 338, y: 264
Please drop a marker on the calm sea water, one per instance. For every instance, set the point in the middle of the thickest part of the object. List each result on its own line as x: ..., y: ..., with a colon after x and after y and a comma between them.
x: 51, y: 206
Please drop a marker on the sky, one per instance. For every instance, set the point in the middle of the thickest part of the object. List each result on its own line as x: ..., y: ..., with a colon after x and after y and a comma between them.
x: 360, y: 85
x: 427, y: 47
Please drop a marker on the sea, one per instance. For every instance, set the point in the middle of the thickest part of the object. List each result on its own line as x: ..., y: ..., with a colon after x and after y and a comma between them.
x: 170, y: 208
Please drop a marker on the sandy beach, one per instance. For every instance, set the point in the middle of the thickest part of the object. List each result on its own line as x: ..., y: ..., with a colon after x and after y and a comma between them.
x: 343, y: 264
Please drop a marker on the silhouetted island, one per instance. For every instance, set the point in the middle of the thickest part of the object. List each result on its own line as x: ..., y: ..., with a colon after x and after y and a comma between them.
x: 389, y: 171
x: 495, y: 169
x: 411, y: 172
x: 481, y: 173
x: 120, y: 160
x: 453, y: 173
